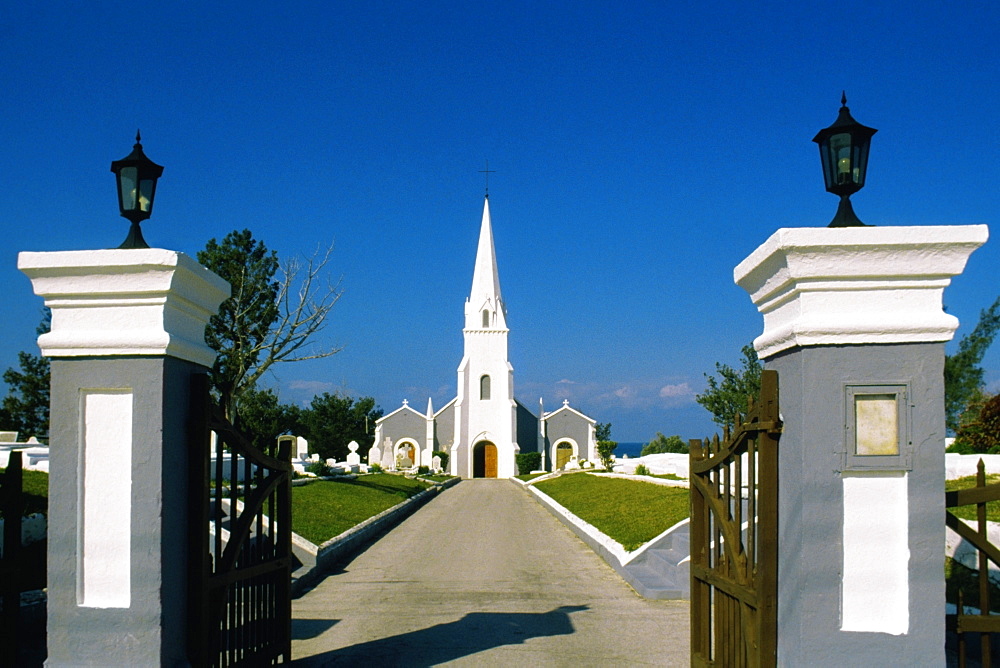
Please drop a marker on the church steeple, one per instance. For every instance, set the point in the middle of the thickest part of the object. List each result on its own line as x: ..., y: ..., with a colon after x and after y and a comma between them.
x: 485, y: 308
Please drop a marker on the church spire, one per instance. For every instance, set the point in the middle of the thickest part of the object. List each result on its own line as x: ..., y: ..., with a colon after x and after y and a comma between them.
x: 485, y: 294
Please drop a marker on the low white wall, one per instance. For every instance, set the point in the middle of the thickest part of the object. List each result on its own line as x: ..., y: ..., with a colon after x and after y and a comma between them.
x: 959, y: 466
x: 659, y: 464
x: 34, y: 456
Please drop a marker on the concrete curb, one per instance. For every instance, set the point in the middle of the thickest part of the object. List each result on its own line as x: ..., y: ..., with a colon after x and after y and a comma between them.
x: 320, y: 559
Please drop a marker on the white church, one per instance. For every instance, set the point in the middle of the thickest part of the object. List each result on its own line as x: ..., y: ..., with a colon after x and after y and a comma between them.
x: 484, y: 426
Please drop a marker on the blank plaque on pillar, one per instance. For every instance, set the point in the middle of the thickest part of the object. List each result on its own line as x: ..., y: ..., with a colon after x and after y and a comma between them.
x: 876, y: 424
x: 876, y: 434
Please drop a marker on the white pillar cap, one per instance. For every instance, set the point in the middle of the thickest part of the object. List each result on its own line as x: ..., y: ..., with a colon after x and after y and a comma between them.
x: 125, y: 302
x: 856, y: 285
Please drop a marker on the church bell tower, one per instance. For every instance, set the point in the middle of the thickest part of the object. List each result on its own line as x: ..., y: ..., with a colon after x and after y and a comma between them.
x: 485, y: 418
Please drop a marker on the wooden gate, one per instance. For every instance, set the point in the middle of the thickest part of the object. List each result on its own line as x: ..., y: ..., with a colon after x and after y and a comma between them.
x: 241, y: 543
x: 964, y: 620
x: 11, y: 508
x: 734, y: 539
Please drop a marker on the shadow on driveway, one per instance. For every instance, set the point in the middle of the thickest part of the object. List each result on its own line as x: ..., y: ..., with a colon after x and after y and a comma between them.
x: 473, y: 633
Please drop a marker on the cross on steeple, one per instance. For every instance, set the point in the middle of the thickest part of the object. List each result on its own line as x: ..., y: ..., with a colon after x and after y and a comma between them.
x: 487, y: 172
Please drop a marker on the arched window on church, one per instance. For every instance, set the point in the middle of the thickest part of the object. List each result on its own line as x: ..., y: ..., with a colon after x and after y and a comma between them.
x: 486, y: 318
x: 484, y: 388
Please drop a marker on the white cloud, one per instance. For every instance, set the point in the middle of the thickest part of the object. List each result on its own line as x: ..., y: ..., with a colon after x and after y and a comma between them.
x: 310, y: 385
x: 676, y: 391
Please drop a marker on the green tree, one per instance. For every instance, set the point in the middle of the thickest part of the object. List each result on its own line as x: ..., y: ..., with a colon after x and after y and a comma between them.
x: 332, y: 421
x: 25, y: 409
x: 264, y: 418
x: 606, y: 451
x: 605, y: 446
x: 274, y: 311
x: 963, y: 375
x: 726, y: 397
x: 980, y: 432
x: 664, y: 444
x: 602, y: 431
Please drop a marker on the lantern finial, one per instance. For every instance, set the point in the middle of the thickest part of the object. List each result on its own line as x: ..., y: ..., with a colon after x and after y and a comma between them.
x: 138, y: 138
x: 843, y: 98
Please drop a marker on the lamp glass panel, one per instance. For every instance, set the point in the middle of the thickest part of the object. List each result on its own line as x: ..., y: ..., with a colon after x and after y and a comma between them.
x: 825, y: 160
x: 840, y: 148
x: 876, y: 425
x: 126, y: 187
x: 145, y: 195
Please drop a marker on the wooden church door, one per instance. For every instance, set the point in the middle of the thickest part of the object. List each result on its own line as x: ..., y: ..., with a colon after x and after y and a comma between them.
x: 564, y: 451
x: 490, y: 452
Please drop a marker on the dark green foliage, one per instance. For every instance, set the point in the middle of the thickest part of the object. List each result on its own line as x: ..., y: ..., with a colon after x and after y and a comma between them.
x: 664, y: 444
x: 528, y: 461
x: 316, y: 468
x: 979, y: 431
x: 602, y: 431
x: 606, y: 451
x: 642, y: 469
x: 423, y: 470
x: 445, y: 456
x: 239, y: 331
x: 332, y: 421
x: 963, y: 375
x: 263, y: 418
x: 25, y: 409
x: 726, y: 397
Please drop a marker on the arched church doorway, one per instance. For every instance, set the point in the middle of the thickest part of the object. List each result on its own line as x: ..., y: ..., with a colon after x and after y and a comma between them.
x: 484, y: 460
x: 564, y: 452
x: 406, y: 455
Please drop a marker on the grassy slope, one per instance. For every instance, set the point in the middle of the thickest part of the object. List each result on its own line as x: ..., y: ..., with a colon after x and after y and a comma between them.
x: 629, y: 511
x: 326, y: 508
x: 36, y: 491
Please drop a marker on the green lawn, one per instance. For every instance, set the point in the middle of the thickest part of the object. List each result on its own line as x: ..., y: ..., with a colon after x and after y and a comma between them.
x: 326, y: 508
x: 36, y: 491
x: 530, y: 476
x: 631, y: 512
x: 969, y: 512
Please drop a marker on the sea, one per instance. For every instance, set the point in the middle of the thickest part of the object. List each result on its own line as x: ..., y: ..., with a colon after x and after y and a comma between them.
x: 630, y: 449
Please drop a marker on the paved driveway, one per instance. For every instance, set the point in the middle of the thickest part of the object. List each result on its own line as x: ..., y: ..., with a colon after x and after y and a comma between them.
x: 484, y: 576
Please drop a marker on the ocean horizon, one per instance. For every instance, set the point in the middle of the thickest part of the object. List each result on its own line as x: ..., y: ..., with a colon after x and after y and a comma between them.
x: 631, y: 449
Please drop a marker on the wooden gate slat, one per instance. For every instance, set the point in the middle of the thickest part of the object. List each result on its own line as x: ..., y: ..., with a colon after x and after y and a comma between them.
x: 240, y: 602
x: 734, y: 580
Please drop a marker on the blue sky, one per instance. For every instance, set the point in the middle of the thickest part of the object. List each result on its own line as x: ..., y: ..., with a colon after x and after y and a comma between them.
x: 641, y: 150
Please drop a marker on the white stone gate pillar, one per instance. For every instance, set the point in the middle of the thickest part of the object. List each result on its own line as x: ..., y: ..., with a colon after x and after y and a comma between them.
x: 127, y: 334
x: 854, y: 325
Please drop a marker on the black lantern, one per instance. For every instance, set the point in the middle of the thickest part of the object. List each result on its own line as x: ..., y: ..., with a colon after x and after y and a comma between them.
x: 136, y: 175
x: 843, y: 150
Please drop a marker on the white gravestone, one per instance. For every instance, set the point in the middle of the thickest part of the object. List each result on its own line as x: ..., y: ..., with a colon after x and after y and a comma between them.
x: 387, y: 461
x: 301, y: 448
x: 353, y: 459
x: 374, y: 456
x: 436, y: 462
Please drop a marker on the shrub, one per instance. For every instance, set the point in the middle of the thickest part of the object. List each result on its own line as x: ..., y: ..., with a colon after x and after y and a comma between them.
x: 642, y: 469
x: 375, y: 468
x: 664, y: 444
x: 444, y: 458
x: 528, y: 461
x: 316, y: 468
x: 423, y: 470
x: 606, y: 451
